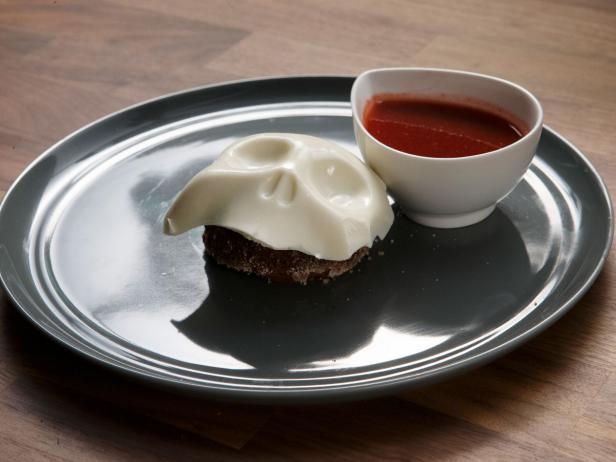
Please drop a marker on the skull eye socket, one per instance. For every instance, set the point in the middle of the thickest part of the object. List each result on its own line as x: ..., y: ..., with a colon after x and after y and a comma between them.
x: 261, y: 152
x: 339, y: 183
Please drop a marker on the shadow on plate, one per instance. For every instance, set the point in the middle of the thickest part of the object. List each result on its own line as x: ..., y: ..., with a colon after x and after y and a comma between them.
x: 420, y: 289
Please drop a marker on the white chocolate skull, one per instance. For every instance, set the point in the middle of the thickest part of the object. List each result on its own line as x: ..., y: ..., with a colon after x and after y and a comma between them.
x: 287, y: 191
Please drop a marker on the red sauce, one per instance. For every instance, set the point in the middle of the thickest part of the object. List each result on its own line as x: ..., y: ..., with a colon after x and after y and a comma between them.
x: 434, y: 127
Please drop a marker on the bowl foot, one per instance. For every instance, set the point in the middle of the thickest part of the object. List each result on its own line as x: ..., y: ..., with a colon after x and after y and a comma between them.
x: 450, y: 220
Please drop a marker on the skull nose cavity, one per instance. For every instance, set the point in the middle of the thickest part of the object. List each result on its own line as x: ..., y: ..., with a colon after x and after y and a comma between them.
x: 264, y: 151
x: 282, y: 187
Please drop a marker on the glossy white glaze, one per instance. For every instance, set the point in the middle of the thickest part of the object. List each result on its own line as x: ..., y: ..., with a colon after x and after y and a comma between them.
x: 287, y: 191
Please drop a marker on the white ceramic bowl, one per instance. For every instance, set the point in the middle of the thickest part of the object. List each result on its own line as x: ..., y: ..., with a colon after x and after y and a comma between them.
x: 448, y: 192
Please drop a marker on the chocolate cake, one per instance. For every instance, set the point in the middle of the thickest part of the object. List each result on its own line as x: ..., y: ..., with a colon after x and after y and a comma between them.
x: 233, y: 250
x: 286, y: 207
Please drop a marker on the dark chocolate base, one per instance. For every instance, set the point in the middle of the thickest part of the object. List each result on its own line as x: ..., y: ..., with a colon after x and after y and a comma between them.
x: 233, y: 250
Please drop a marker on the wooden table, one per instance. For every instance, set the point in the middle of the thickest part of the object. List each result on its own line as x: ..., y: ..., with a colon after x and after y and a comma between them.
x: 65, y: 63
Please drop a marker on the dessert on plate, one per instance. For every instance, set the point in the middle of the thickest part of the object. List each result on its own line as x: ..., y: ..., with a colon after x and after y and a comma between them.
x: 287, y: 207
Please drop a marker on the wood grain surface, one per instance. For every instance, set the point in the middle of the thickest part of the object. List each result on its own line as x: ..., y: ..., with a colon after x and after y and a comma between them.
x: 66, y: 63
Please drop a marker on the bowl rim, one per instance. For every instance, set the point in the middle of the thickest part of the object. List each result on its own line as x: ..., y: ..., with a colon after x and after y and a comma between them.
x: 537, y: 126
